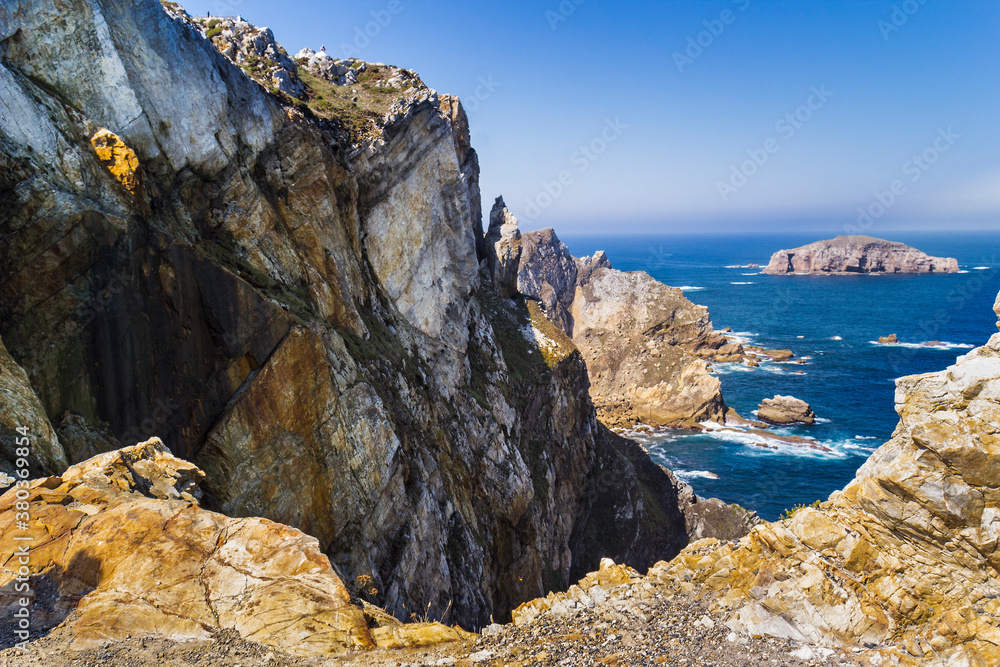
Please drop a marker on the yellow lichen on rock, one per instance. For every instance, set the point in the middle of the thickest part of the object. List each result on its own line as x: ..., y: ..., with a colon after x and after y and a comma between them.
x: 118, y: 158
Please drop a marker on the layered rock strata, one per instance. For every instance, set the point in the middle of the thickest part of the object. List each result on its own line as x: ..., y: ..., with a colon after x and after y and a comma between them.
x: 299, y: 310
x: 785, y: 410
x: 857, y: 254
x: 645, y: 344
x: 122, y: 549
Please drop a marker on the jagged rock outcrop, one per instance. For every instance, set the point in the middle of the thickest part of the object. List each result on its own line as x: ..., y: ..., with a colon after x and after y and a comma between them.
x: 785, y: 410
x: 25, y: 431
x: 904, y: 559
x: 642, y: 340
x: 297, y: 309
x: 503, y: 239
x: 126, y: 551
x: 857, y: 254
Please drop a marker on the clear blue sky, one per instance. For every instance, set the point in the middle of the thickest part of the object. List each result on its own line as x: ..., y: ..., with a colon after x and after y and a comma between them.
x: 886, y: 80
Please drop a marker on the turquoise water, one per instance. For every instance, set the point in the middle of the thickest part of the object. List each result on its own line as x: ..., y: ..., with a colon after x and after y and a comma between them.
x: 831, y: 323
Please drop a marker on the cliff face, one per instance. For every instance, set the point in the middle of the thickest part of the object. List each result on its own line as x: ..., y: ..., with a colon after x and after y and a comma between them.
x: 120, y: 548
x: 185, y: 254
x: 643, y: 341
x: 857, y: 254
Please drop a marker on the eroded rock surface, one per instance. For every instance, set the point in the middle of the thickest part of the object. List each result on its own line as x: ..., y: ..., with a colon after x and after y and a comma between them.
x: 124, y: 551
x: 785, y: 410
x: 298, y: 309
x: 904, y: 559
x: 644, y: 342
x: 857, y: 254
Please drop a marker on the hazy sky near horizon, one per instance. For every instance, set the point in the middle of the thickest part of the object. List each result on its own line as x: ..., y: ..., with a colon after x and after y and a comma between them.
x: 595, y: 116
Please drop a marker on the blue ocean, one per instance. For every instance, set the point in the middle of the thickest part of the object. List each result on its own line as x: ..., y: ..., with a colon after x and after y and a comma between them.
x: 832, y: 324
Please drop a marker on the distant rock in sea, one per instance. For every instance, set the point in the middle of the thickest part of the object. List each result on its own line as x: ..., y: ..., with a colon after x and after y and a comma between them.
x: 857, y: 254
x: 785, y: 410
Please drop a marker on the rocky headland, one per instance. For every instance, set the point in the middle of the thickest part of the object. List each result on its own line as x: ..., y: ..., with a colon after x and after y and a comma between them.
x: 293, y: 288
x: 646, y: 346
x: 374, y: 410
x: 857, y: 254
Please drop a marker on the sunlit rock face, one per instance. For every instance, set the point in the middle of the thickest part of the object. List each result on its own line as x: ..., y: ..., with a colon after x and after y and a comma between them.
x: 857, y: 254
x: 905, y: 556
x: 642, y: 340
x: 185, y: 254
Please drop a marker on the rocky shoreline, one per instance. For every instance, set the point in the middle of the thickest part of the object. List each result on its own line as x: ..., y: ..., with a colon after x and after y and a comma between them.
x: 374, y: 411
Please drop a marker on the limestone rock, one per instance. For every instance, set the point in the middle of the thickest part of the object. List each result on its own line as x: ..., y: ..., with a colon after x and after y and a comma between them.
x: 124, y: 543
x: 857, y: 254
x: 504, y: 238
x: 904, y: 558
x: 891, y: 339
x: 24, y: 426
x: 641, y: 339
x: 547, y: 272
x: 298, y: 309
x: 785, y: 410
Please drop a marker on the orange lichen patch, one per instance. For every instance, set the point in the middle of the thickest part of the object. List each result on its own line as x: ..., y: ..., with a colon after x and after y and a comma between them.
x: 118, y: 158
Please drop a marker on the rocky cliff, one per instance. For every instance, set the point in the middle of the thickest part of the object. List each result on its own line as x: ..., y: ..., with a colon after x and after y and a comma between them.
x: 645, y: 344
x: 291, y: 296
x: 901, y: 565
x: 857, y: 254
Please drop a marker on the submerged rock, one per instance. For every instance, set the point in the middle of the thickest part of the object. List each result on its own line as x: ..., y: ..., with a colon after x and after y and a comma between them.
x: 857, y: 254
x: 785, y: 410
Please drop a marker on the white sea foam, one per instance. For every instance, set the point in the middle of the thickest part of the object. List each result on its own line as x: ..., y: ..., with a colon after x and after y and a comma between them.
x: 690, y: 288
x: 836, y: 338
x: 760, y: 443
x: 963, y: 271
x: 741, y: 283
x: 941, y: 345
x: 741, y: 337
x: 865, y: 437
x: 823, y: 420
x: 734, y: 266
x: 800, y: 336
x: 725, y: 367
x: 981, y: 268
x: 693, y: 474
x: 750, y: 274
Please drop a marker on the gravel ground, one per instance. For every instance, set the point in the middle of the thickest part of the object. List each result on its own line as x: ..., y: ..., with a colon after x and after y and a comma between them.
x: 665, y: 629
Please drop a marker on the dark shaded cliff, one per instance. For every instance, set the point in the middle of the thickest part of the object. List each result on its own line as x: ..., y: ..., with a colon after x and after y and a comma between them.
x: 184, y: 254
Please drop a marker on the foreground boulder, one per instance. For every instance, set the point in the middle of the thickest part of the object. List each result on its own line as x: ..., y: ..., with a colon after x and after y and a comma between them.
x: 857, y: 254
x: 785, y: 410
x: 122, y: 543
